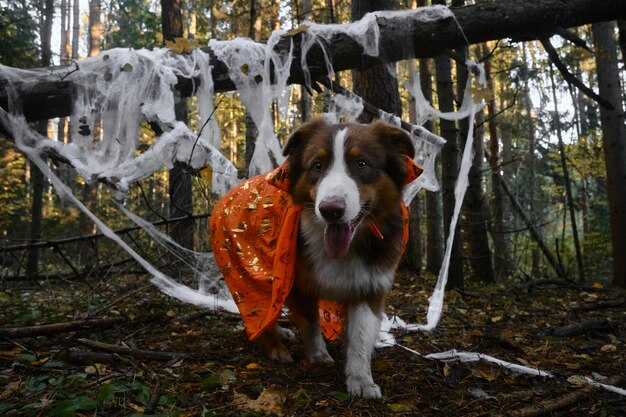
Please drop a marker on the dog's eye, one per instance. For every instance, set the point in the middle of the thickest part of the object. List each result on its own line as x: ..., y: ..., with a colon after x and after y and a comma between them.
x: 317, y: 166
x: 361, y: 164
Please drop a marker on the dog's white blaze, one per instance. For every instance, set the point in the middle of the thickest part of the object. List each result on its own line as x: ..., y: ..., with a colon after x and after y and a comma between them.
x: 338, y: 182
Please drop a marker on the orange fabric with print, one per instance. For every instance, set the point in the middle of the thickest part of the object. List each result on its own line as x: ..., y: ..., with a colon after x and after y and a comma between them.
x: 254, y: 235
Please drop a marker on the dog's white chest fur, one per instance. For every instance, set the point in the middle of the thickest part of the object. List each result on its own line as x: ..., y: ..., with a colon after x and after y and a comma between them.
x: 342, y: 279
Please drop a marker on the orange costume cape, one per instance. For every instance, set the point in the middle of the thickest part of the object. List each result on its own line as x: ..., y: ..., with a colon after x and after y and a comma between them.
x: 254, y: 235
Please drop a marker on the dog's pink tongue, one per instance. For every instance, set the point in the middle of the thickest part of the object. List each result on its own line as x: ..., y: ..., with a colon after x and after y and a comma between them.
x: 337, y: 238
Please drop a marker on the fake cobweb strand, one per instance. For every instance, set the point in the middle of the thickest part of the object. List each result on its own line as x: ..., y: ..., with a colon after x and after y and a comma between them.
x: 117, y: 90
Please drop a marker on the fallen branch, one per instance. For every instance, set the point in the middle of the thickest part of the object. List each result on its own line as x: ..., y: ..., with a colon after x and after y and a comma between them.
x: 562, y: 283
x: 52, y: 243
x: 70, y: 326
x: 135, y: 353
x: 565, y: 401
x: 587, y: 326
x: 119, y: 299
x: 154, y: 396
x: 602, y: 304
x: 86, y: 357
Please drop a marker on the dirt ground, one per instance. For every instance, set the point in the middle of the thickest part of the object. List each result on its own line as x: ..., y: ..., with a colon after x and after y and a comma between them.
x: 158, y: 356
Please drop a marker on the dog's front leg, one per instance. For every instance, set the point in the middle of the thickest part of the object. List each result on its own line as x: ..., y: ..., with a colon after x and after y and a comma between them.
x: 363, y: 327
x: 304, y: 313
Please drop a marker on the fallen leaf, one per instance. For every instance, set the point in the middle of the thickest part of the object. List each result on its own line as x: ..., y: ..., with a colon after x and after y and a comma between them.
x: 271, y: 400
x: 496, y: 319
x: 181, y: 45
x: 480, y: 394
x: 341, y: 396
x: 485, y: 370
x: 608, y: 348
x: 576, y: 380
x: 299, y: 29
x: 399, y: 408
x: 479, y: 93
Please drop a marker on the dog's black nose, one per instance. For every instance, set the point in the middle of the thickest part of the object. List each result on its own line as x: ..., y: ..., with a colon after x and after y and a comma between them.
x: 332, y: 208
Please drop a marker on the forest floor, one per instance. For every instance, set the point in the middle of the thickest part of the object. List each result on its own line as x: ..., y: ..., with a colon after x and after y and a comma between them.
x: 174, y: 359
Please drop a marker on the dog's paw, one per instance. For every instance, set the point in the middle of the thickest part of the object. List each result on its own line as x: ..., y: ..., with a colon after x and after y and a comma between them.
x: 284, y: 334
x: 363, y: 387
x: 320, y: 358
x: 280, y: 353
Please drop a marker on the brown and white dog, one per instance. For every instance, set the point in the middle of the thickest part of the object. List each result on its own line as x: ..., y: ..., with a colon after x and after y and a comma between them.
x: 348, y: 180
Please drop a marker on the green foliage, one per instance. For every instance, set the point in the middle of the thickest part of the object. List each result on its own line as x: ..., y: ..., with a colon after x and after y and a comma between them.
x: 134, y: 24
x: 68, y: 408
x: 18, y: 31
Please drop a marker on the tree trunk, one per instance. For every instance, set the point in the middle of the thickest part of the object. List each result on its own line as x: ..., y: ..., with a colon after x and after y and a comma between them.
x: 64, y: 53
x: 434, y: 219
x: 480, y: 258
x: 566, y: 179
x: 377, y: 85
x: 251, y: 128
x: 412, y: 260
x: 413, y: 254
x: 614, y: 142
x: 306, y: 103
x: 532, y: 165
x: 502, y: 261
x: 75, y: 29
x: 181, y: 203
x: 621, y: 24
x: 95, y: 27
x: 36, y: 176
x: 449, y: 164
x: 64, y: 60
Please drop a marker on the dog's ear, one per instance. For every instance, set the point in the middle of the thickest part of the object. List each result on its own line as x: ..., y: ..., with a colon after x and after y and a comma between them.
x: 395, y: 139
x: 296, y: 141
x: 400, y: 152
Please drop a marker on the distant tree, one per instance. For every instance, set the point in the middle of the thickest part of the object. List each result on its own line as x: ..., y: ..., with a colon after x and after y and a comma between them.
x: 180, y: 189
x: 614, y: 138
x: 449, y: 163
x: 75, y: 29
x: 502, y: 259
x: 434, y: 219
x: 95, y: 27
x: 36, y: 176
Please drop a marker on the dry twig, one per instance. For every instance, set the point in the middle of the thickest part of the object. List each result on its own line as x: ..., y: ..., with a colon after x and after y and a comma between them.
x: 135, y: 353
x: 70, y: 326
